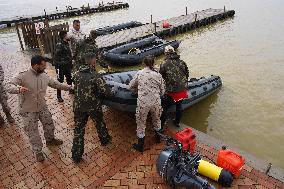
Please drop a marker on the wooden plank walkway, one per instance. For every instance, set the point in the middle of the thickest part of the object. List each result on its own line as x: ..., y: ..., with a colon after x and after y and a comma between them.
x: 59, y: 14
x: 180, y: 24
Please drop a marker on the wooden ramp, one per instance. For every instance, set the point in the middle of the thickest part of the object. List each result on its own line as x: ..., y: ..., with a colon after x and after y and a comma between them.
x: 180, y: 24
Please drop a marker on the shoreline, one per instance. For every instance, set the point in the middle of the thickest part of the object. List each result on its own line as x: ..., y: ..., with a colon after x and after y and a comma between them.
x: 97, y: 165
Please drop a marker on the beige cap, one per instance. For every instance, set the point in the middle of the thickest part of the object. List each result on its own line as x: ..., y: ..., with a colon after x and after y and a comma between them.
x: 169, y: 49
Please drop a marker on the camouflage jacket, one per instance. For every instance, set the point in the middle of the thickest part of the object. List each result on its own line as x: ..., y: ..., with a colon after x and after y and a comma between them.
x: 62, y: 54
x: 90, y: 89
x: 82, y: 48
x: 175, y: 73
x: 150, y: 86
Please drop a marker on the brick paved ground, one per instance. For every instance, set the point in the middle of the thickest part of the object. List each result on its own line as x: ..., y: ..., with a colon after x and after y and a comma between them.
x: 114, y: 166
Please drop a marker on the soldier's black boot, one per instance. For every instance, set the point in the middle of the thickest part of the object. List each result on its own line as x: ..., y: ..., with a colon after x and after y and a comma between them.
x: 1, y: 121
x: 105, y: 141
x: 76, y: 159
x: 59, y: 98
x: 140, y: 146
x: 10, y: 118
x: 77, y: 152
x: 176, y: 123
x: 157, y: 136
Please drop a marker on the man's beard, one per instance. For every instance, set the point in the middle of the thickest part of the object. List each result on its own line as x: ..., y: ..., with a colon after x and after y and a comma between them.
x: 40, y: 71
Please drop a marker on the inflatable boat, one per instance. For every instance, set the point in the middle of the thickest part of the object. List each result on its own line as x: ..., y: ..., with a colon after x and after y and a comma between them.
x: 133, y: 53
x: 115, y: 28
x: 125, y: 100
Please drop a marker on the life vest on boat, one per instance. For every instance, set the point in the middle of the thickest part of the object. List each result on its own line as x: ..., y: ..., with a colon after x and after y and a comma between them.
x: 134, y: 51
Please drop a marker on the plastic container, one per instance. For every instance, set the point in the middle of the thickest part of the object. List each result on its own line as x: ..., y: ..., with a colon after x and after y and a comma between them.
x: 166, y: 24
x: 188, y: 139
x: 231, y: 161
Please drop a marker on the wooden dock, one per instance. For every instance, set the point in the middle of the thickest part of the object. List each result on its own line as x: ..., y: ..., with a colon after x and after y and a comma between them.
x: 69, y: 12
x: 180, y: 24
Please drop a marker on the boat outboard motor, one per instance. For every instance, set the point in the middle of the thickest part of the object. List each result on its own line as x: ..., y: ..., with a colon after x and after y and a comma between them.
x: 179, y: 168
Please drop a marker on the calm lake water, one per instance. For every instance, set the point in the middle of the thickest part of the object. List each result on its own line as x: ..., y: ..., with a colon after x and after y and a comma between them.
x: 247, y: 52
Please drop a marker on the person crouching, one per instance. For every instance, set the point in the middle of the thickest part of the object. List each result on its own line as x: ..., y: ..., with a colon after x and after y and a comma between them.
x: 149, y: 85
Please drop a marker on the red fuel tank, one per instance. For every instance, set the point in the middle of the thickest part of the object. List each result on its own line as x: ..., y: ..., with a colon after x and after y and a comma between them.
x: 166, y: 24
x: 187, y: 138
x: 231, y: 161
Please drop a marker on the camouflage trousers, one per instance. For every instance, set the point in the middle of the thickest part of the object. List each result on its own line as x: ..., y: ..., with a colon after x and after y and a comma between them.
x: 3, y: 100
x: 142, y: 111
x: 30, y: 121
x: 81, y: 119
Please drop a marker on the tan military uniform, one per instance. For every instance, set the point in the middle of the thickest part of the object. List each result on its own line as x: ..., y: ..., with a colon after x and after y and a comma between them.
x: 33, y: 105
x: 150, y: 86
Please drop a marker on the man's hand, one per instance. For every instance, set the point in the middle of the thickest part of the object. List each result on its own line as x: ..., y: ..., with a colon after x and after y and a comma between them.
x: 24, y: 90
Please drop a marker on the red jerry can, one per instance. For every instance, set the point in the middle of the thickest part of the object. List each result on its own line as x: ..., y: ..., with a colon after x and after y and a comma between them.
x: 187, y: 138
x: 166, y: 24
x: 230, y: 161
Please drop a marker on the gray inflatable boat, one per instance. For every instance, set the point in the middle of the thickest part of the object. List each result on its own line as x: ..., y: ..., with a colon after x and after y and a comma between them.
x: 111, y: 29
x: 133, y: 53
x: 125, y: 100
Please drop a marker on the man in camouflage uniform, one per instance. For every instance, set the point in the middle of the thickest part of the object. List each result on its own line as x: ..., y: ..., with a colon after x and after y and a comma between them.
x: 150, y: 86
x: 3, y: 100
x: 175, y: 73
x: 87, y: 46
x: 90, y: 89
x: 63, y: 61
x: 31, y: 86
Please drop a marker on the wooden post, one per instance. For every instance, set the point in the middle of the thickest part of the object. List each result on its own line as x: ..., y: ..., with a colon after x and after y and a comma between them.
x: 155, y: 28
x: 151, y: 18
x: 40, y: 45
x: 185, y: 10
x: 195, y: 18
x: 19, y: 36
x: 268, y: 168
x: 46, y: 23
x: 224, y: 9
x: 23, y: 27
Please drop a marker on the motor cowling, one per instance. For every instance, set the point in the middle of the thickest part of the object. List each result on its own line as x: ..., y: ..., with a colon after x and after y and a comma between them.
x: 176, y: 176
x: 165, y: 166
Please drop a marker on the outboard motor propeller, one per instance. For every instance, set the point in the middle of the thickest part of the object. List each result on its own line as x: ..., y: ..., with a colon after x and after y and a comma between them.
x: 179, y: 168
